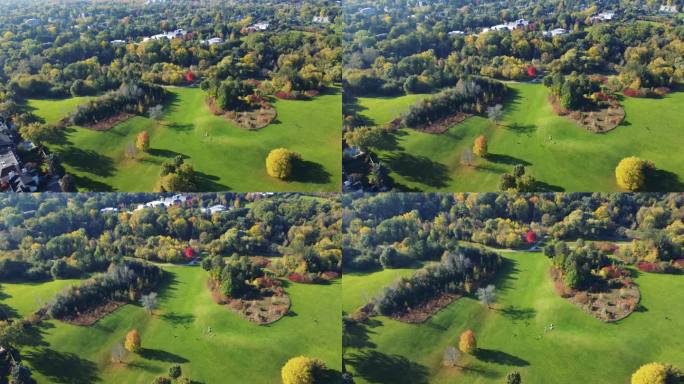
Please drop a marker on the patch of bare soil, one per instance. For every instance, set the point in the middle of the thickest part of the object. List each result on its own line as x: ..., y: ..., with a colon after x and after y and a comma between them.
x: 110, y: 122
x: 597, y: 121
x: 442, y: 125
x: 425, y: 310
x: 265, y: 309
x: 250, y: 120
x: 92, y: 316
x: 612, y: 304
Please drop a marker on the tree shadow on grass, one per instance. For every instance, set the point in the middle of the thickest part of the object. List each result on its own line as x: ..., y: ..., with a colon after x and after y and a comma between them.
x: 180, y: 127
x: 141, y: 365
x: 91, y: 185
x: 499, y: 357
x: 419, y: 169
x: 378, y: 367
x: 160, y: 355
x: 522, y: 129
x: 661, y: 180
x: 506, y: 159
x: 330, y: 376
x: 33, y: 335
x: 507, y: 274
x: 7, y: 312
x: 209, y: 183
x: 310, y: 172
x: 165, y: 153
x: 518, y: 314
x: 541, y: 186
x: 356, y: 336
x: 178, y: 319
x: 63, y: 367
x: 86, y: 160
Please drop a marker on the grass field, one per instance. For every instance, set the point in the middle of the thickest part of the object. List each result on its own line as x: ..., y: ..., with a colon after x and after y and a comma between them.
x: 511, y: 334
x: 554, y: 149
x: 235, y: 351
x: 225, y: 156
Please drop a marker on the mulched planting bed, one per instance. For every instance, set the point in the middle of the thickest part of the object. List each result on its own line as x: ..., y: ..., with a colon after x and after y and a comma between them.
x: 250, y: 120
x: 424, y: 311
x: 92, y: 316
x: 598, y: 121
x: 110, y: 122
x: 262, y: 310
x: 442, y: 125
x: 610, y: 305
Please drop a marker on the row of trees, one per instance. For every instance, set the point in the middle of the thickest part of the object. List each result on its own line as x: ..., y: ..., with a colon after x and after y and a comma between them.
x: 134, y: 97
x: 470, y: 95
x: 122, y: 282
x: 458, y: 271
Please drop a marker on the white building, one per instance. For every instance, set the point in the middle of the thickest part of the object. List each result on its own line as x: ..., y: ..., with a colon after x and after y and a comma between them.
x: 604, y: 16
x: 556, y: 32
x: 668, y: 8
x: 177, y: 34
x: 367, y: 11
x: 118, y: 42
x: 321, y: 19
x: 456, y: 33
x: 258, y: 27
x: 212, y: 41
x: 511, y: 26
x: 215, y: 209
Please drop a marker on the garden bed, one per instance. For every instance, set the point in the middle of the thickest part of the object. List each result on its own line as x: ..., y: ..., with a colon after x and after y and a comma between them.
x: 110, y: 122
x: 92, y: 316
x: 426, y: 310
x: 596, y: 121
x: 442, y: 125
x: 611, y: 305
x: 266, y: 309
x: 250, y: 120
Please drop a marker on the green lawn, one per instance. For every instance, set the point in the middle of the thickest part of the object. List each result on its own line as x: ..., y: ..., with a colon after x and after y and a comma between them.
x: 511, y: 335
x: 554, y: 149
x: 225, y: 156
x: 235, y: 351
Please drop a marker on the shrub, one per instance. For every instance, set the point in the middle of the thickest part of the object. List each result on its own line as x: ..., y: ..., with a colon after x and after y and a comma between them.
x: 299, y: 278
x: 161, y: 380
x: 631, y: 173
x: 301, y: 370
x: 281, y: 162
x: 175, y: 371
x: 657, y: 373
x: 467, y: 342
x: 513, y: 378
x: 480, y: 146
x: 142, y: 141
x: 132, y: 343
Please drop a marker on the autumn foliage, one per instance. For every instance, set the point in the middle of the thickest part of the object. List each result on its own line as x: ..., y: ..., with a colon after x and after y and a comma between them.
x: 142, y: 142
x: 480, y: 146
x: 657, y: 373
x: 301, y: 370
x: 631, y: 173
x: 132, y: 343
x: 467, y: 342
x: 530, y: 237
x: 281, y: 162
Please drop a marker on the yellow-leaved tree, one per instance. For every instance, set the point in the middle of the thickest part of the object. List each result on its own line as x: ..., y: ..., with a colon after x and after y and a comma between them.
x: 132, y: 343
x: 301, y: 370
x: 657, y: 373
x: 480, y: 146
x: 467, y: 342
x: 631, y: 173
x: 281, y: 162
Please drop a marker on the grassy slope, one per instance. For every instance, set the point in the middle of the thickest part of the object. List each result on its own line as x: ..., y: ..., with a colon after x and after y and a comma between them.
x: 555, y: 150
x: 360, y: 287
x: 227, y: 157
x: 236, y: 351
x: 580, y: 349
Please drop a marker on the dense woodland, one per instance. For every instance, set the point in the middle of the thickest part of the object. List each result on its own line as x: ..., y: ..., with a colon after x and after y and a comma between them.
x: 240, y: 53
x: 61, y: 236
x: 393, y: 48
x: 393, y: 230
